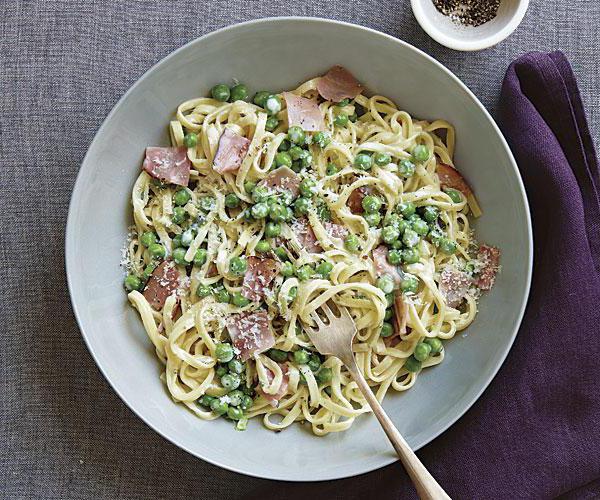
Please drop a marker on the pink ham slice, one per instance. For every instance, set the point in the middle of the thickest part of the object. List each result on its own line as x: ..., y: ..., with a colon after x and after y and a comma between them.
x: 454, y: 285
x: 451, y: 178
x: 281, y: 179
x: 382, y: 266
x: 335, y: 230
x: 304, y: 113
x: 337, y: 84
x: 231, y: 151
x: 250, y: 333
x: 212, y: 270
x: 274, y: 398
x: 306, y: 236
x: 400, y: 314
x: 489, y: 257
x: 258, y: 277
x: 168, y: 165
x: 163, y: 282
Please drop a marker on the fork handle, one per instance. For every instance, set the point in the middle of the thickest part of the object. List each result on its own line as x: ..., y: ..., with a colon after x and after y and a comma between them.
x: 427, y: 487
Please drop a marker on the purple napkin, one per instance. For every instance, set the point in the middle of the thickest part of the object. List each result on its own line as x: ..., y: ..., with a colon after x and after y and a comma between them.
x: 535, y: 432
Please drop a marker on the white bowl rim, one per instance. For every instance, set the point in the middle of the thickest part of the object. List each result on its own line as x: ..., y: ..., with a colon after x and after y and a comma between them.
x: 70, y: 247
x: 468, y: 45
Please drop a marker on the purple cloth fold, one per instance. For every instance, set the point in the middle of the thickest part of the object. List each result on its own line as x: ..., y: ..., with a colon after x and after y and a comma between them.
x: 535, y: 432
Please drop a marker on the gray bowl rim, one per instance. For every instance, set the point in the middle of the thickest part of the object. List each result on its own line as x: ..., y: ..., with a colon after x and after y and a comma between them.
x: 70, y: 236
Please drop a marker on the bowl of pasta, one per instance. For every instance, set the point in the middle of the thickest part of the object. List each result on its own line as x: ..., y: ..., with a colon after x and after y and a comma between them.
x: 232, y: 200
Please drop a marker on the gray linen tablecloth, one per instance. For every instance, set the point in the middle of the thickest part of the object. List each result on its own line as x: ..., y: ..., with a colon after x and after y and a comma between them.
x: 63, y: 65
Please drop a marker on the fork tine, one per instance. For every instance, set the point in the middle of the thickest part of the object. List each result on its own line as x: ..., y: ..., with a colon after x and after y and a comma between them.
x: 344, y: 313
x: 315, y: 317
x: 327, y: 310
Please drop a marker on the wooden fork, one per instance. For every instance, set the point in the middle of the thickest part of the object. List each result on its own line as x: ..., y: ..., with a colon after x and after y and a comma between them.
x: 335, y: 338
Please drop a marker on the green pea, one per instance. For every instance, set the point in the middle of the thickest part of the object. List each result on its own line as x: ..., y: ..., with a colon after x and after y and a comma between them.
x: 246, y: 402
x: 181, y: 197
x: 389, y: 234
x: 373, y: 219
x: 308, y: 187
x: 260, y: 98
x: 278, y: 355
x: 148, y: 271
x: 420, y: 153
x: 332, y: 169
x: 324, y: 376
x: 132, y: 283
x: 420, y: 227
x: 287, y: 269
x: 406, y: 168
x: 410, y: 255
x: 296, y: 152
x: 387, y: 330
x: 323, y: 212
x: 179, y: 256
x: 219, y: 407
x: 157, y: 251
x: 385, y: 283
x: 284, y: 145
x: 263, y: 246
x: 406, y: 209
x: 203, y: 291
x: 435, y: 344
x: 289, y: 214
x: 297, y: 166
x: 314, y: 363
x: 389, y: 299
x: 272, y: 105
x: 239, y: 92
x: 272, y: 229
x: 207, y: 203
x: 283, y: 159
x: 293, y: 293
x: 343, y: 103
x: 235, y: 397
x: 410, y: 238
x: 430, y: 214
x: 206, y: 400
x: 363, y: 161
x: 435, y: 236
x: 321, y: 139
x: 394, y: 257
x: 220, y: 92
x: 304, y: 273
x: 455, y: 195
x: 281, y: 252
x: 224, y: 352
x: 296, y: 135
x: 422, y: 351
x: 238, y: 265
x: 353, y: 117
x: 232, y: 200
x: 190, y: 140
x: 447, y: 246
x: 388, y: 314
x: 249, y: 186
x: 239, y: 300
x: 382, y: 159
x: 371, y: 204
x: 301, y: 357
x: 260, y: 194
x: 148, y: 238
x: 221, y: 370
x: 222, y: 295
x: 236, y: 366
x: 341, y: 120
x: 392, y: 219
x: 200, y: 257
x: 412, y: 365
x: 277, y: 213
x: 324, y: 268
x: 235, y: 413
x: 302, y: 206
x: 187, y: 237
x: 351, y: 243
x: 179, y: 215
x: 305, y: 159
x: 409, y: 284
x: 260, y: 210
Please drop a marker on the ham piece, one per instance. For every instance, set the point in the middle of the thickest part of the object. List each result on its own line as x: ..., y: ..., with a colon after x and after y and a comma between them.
x: 250, y: 333
x: 382, y: 266
x: 451, y: 178
x: 163, y: 282
x: 337, y: 84
x: 282, y: 178
x: 489, y: 257
x: 258, y: 277
x: 304, y: 113
x: 168, y: 164
x: 231, y: 151
x: 273, y: 398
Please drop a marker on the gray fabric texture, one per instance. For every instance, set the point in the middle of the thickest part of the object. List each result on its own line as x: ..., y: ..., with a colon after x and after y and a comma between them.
x: 63, y: 65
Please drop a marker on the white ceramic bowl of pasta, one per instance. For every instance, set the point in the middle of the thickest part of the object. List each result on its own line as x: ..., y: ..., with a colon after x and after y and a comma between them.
x: 298, y: 48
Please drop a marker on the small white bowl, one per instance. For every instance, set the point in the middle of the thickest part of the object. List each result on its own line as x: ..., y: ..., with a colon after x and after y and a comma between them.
x: 468, y: 38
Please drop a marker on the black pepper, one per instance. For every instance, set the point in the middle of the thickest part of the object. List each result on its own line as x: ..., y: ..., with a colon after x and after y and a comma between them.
x: 468, y: 12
